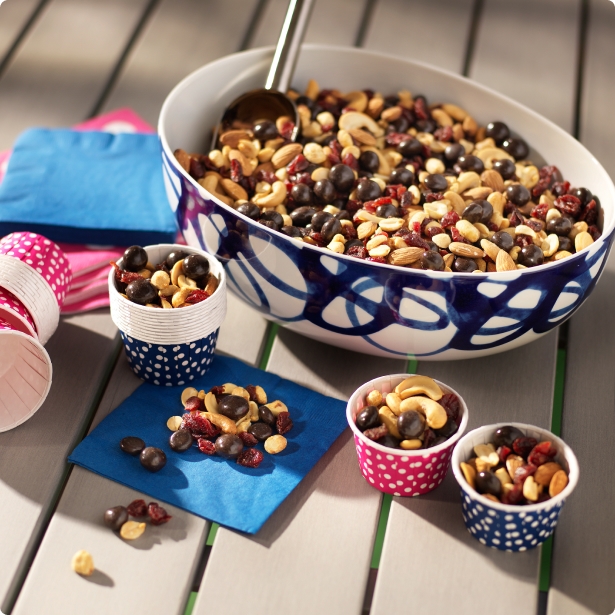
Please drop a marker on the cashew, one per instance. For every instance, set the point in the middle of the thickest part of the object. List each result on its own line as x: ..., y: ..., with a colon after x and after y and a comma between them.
x: 442, y: 117
x: 248, y: 148
x: 179, y: 298
x: 225, y: 424
x: 390, y: 420
x: 211, y: 403
x: 275, y: 197
x: 354, y: 119
x: 550, y: 245
x: 357, y: 101
x: 210, y: 183
x: 393, y: 401
x: 185, y: 282
x: 415, y: 385
x: 435, y: 414
x: 489, y: 154
x: 178, y: 269
x: 457, y: 113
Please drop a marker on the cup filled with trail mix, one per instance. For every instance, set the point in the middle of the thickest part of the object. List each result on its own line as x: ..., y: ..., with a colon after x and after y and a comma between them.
x: 514, y: 480
x: 405, y: 427
x: 168, y: 302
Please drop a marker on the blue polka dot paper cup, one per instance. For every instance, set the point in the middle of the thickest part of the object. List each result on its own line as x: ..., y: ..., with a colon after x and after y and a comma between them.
x: 170, y: 347
x: 170, y: 364
x: 504, y: 526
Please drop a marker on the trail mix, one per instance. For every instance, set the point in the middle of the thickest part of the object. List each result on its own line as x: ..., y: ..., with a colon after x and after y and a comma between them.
x: 515, y: 469
x: 416, y: 415
x: 117, y: 518
x: 395, y: 180
x: 230, y: 421
x: 180, y: 280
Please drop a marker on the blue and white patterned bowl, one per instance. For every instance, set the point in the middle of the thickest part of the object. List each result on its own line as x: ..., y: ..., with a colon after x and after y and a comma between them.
x: 367, y: 307
x: 504, y: 526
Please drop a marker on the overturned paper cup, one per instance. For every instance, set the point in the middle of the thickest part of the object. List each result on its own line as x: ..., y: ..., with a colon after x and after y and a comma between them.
x: 170, y: 346
x: 25, y: 376
x: 37, y: 272
x: 13, y: 311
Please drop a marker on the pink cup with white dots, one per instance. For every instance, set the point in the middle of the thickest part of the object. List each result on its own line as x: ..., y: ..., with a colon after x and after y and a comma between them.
x: 36, y: 272
x: 396, y: 471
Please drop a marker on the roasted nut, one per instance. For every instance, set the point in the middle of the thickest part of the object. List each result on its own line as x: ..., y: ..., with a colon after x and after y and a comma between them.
x: 504, y: 262
x: 174, y: 423
x: 545, y: 472
x: 131, y: 530
x: 558, y: 483
x: 389, y: 419
x: 463, y: 249
x: 275, y: 444
x: 531, y: 489
x: 187, y: 393
x: 513, y: 463
x: 487, y: 454
x: 469, y: 473
x: 393, y: 401
x: 241, y: 392
x: 211, y: 403
x: 411, y: 445
x: 225, y: 424
x: 276, y: 407
x: 286, y: 154
x: 82, y: 563
x: 435, y: 414
x: 419, y: 385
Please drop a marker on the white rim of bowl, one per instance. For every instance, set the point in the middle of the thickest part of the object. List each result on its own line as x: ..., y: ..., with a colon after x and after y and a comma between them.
x: 564, y: 451
x: 146, y: 310
x: 502, y: 275
x: 397, y: 378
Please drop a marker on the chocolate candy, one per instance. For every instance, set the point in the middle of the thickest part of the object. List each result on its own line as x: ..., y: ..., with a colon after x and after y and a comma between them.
x: 196, y: 266
x: 180, y: 440
x: 132, y: 445
x: 368, y: 418
x: 141, y: 291
x: 153, y: 459
x: 411, y: 424
x: 228, y: 446
x: 505, y: 436
x: 261, y: 431
x: 176, y: 255
x: 116, y: 517
x: 488, y: 482
x: 265, y: 415
x: 233, y: 406
x: 134, y: 259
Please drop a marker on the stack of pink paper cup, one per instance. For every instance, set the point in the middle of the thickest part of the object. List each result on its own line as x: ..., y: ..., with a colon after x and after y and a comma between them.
x: 34, y: 278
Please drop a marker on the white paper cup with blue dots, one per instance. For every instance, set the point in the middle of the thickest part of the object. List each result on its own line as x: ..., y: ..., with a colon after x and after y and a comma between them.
x: 170, y: 347
x: 505, y: 526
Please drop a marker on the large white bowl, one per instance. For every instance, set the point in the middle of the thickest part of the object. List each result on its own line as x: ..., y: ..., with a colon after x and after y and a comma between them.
x: 366, y: 307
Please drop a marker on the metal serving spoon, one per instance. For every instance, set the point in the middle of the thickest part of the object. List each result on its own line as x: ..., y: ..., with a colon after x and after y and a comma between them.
x: 271, y: 102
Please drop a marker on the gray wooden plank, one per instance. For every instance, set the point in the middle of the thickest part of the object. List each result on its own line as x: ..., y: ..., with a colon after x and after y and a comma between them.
x: 181, y: 36
x: 57, y: 75
x: 584, y: 545
x: 313, y: 554
x: 32, y: 456
x: 596, y: 127
x: 478, y: 579
x: 528, y: 51
x: 152, y: 575
x: 13, y: 17
x: 331, y: 23
x: 431, y: 32
x: 426, y: 538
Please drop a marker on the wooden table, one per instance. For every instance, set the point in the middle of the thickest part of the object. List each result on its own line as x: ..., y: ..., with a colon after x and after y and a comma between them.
x: 62, y: 61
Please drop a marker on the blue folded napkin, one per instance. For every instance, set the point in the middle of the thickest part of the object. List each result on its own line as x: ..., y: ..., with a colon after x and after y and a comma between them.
x: 87, y: 187
x: 211, y: 487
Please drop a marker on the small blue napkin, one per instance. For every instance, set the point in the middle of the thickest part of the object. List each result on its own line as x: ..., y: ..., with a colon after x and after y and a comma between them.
x: 211, y: 487
x: 87, y: 187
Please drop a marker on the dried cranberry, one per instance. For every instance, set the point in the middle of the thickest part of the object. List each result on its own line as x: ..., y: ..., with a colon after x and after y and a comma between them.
x: 430, y: 197
x: 513, y: 496
x: 375, y: 433
x: 393, y: 139
x: 266, y: 176
x: 283, y: 423
x: 428, y: 437
x: 420, y: 109
x: 449, y: 219
x: 516, y: 218
x: 540, y: 211
x: 248, y: 439
x: 445, y: 133
x: 217, y: 390
x: 560, y: 188
x: 376, y: 259
x: 541, y: 453
x: 126, y: 277
x: 523, y: 240
x: 157, y: 514
x: 432, y: 231
x: 590, y: 213
x: 415, y: 240
x: 205, y: 446
x: 236, y: 171
x: 250, y: 458
x: 197, y: 168
x: 298, y: 163
x: 351, y: 161
x: 194, y: 404
x: 523, y: 446
x: 199, y: 426
x: 357, y: 252
x: 286, y: 132
x: 196, y: 296
x: 594, y: 231
x: 503, y: 452
x: 568, y: 204
x: 349, y: 232
x: 457, y: 236
x: 137, y: 508
x: 450, y: 403
x: 523, y: 472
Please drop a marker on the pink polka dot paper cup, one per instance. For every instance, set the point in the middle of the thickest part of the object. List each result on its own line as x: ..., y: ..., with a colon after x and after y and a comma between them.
x: 13, y: 311
x: 396, y: 471
x: 38, y: 274
x: 25, y: 376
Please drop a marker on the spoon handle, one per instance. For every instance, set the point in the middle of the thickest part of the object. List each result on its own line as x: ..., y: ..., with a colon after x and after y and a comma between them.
x: 289, y: 43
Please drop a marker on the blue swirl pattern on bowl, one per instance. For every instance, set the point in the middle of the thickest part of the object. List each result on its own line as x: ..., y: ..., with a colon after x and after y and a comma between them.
x: 388, y: 311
